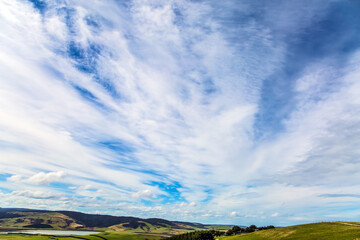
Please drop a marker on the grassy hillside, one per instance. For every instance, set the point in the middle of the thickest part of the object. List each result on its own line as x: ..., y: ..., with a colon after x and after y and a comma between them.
x: 100, y: 236
x: 70, y: 220
x: 23, y: 220
x: 314, y: 231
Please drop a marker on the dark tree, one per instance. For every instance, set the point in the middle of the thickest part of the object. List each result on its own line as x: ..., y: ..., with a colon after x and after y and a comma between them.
x: 236, y: 229
x: 203, y: 235
x: 229, y: 232
x: 252, y: 227
x: 197, y: 235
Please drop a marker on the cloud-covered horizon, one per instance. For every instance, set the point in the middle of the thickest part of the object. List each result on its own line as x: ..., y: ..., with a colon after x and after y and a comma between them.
x: 235, y: 112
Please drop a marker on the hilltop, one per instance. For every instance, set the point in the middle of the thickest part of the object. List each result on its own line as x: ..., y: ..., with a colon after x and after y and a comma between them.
x: 313, y: 231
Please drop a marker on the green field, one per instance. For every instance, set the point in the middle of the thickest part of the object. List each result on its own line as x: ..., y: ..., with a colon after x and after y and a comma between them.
x: 100, y: 236
x: 219, y: 227
x: 314, y: 231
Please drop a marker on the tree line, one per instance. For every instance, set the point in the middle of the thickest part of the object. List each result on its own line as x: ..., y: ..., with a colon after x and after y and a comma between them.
x: 252, y: 228
x: 211, y: 234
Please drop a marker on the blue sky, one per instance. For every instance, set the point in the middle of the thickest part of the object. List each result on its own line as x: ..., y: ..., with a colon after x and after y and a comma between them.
x: 239, y: 112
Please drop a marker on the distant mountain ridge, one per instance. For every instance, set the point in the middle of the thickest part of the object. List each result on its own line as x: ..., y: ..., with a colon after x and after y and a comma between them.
x: 20, y: 218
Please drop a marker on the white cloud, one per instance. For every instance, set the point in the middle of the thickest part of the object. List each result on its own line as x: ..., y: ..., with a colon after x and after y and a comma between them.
x: 14, y: 178
x: 143, y: 194
x: 39, y: 195
x: 187, y: 90
x: 149, y: 113
x: 275, y: 214
x: 192, y: 204
x: 42, y: 178
x: 234, y: 214
x: 187, y: 205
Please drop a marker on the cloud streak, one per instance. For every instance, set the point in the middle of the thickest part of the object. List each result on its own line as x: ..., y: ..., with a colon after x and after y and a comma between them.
x: 153, y: 106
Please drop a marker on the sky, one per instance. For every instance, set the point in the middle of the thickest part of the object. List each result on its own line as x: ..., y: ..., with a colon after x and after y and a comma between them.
x: 233, y: 112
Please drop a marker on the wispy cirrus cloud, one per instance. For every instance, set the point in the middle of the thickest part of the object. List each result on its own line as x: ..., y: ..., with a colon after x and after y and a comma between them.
x: 205, y: 109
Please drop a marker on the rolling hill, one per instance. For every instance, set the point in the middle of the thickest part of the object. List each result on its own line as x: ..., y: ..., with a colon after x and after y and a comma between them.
x: 120, y: 227
x: 313, y: 231
x: 12, y: 218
